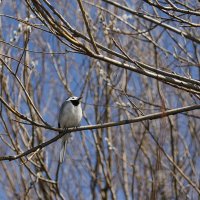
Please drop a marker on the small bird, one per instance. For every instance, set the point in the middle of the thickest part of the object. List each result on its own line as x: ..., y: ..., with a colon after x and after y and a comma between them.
x: 70, y: 115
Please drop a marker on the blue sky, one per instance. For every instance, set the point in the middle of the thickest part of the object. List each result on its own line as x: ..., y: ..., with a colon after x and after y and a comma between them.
x: 53, y: 92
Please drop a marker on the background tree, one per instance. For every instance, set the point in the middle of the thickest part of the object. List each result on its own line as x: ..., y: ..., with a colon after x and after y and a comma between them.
x: 136, y: 64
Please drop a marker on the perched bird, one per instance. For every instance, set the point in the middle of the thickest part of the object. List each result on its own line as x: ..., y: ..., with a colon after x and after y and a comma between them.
x: 70, y: 115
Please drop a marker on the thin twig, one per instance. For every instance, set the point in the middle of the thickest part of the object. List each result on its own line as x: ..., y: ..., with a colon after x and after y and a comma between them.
x: 87, y: 26
x: 99, y: 126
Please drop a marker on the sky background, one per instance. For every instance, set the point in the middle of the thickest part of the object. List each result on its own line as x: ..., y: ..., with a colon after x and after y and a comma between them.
x: 49, y: 76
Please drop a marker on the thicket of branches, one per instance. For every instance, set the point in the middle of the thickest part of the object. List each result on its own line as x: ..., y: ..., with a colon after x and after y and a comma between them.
x: 137, y: 66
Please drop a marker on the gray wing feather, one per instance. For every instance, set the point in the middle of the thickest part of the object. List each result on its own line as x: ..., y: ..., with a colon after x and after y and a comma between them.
x: 61, y: 112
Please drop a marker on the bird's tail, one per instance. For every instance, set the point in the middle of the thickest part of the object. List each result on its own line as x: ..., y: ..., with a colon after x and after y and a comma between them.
x: 66, y: 138
x: 63, y: 150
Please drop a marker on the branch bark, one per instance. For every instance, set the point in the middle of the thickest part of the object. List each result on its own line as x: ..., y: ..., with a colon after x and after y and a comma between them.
x: 99, y: 126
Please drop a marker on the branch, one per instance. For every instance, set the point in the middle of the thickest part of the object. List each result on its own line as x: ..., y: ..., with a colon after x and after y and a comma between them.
x: 98, y: 126
x: 189, y: 85
x: 155, y: 21
x: 87, y: 26
x: 177, y: 81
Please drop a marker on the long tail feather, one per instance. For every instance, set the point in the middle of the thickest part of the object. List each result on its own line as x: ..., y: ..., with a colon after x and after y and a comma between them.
x: 66, y: 139
x: 63, y: 150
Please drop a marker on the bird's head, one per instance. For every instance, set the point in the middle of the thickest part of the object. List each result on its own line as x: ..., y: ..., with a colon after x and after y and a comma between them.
x: 74, y: 100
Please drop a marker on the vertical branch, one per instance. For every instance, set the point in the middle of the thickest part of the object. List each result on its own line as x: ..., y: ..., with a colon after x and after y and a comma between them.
x: 87, y: 26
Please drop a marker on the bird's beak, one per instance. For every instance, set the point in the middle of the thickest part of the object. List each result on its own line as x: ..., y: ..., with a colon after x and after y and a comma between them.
x: 80, y: 98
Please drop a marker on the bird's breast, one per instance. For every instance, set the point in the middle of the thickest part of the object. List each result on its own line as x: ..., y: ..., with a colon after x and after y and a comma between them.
x: 71, y: 116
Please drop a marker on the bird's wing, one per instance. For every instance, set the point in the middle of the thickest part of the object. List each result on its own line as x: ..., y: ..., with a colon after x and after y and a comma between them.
x: 61, y: 114
x: 61, y: 111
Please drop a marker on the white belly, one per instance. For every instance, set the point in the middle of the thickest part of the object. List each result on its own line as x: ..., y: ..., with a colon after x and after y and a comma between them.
x: 70, y: 116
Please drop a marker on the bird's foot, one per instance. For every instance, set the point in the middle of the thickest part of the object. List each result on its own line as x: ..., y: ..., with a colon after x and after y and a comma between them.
x: 66, y: 130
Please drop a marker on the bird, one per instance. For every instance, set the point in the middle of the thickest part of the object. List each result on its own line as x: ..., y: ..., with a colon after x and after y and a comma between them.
x: 70, y: 115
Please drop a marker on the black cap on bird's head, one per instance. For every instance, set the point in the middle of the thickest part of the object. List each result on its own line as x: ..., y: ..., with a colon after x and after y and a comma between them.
x: 74, y: 100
